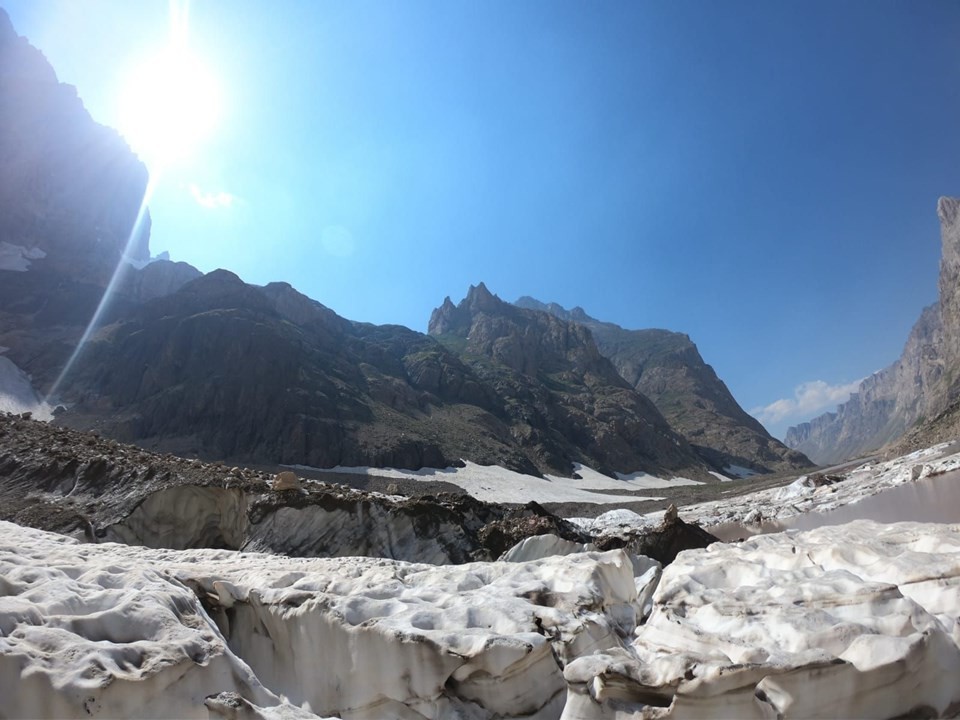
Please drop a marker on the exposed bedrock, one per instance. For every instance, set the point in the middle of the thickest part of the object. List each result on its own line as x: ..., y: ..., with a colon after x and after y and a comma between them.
x: 668, y: 369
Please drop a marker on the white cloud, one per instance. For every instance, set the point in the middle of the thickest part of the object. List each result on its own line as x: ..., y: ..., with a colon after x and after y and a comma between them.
x: 809, y: 399
x: 212, y: 200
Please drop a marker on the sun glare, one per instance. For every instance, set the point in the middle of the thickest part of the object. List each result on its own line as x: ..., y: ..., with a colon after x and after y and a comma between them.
x: 168, y: 105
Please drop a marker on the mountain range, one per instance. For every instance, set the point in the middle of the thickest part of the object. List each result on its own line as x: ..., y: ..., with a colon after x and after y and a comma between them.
x: 211, y: 366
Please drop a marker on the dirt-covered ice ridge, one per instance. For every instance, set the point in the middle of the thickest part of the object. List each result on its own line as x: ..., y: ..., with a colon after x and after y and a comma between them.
x: 852, y: 621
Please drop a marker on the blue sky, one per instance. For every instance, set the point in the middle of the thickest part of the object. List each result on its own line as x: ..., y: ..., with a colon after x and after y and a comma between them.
x: 762, y: 176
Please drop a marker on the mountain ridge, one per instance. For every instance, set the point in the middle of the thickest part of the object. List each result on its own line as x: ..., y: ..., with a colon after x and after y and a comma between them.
x: 667, y: 367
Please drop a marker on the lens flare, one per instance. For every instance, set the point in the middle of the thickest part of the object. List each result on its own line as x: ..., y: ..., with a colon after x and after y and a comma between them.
x: 118, y: 273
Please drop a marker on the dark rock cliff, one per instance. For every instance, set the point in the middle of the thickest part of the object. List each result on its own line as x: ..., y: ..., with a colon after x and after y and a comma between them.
x: 70, y: 194
x: 223, y: 369
x: 667, y: 368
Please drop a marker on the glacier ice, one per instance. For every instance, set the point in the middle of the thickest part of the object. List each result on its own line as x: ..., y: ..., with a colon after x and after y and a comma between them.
x: 116, y: 630
x: 859, y: 620
x: 847, y: 621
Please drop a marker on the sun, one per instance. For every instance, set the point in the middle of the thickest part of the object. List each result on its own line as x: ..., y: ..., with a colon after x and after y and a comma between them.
x: 168, y: 104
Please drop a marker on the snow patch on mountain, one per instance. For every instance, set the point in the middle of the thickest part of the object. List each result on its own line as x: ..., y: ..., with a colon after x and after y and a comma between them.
x: 17, y: 394
x: 492, y: 483
x: 17, y: 258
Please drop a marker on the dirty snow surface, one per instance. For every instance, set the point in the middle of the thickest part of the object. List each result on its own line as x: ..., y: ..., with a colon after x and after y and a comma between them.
x: 851, y: 621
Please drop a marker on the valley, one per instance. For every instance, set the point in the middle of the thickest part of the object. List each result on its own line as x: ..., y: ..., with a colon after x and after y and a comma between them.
x: 223, y: 499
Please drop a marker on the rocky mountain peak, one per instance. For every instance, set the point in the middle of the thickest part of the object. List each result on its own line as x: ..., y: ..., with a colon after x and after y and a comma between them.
x: 570, y: 392
x: 480, y: 299
x: 528, y: 341
x: 577, y: 314
x: 293, y: 305
x: 450, y: 318
x: 23, y: 63
x: 443, y: 319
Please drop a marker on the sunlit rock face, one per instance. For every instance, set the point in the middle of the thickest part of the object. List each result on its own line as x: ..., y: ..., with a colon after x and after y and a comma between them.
x: 851, y: 621
x: 919, y: 394
x: 948, y: 210
x: 68, y: 186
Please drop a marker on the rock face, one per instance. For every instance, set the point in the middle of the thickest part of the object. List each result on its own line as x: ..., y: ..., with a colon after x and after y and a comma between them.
x: 918, y: 393
x: 666, y: 367
x: 68, y: 186
x: 227, y: 370
x: 571, y: 399
x: 70, y: 194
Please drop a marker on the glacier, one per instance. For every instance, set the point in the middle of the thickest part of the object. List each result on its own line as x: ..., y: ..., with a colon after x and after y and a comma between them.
x: 856, y: 621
